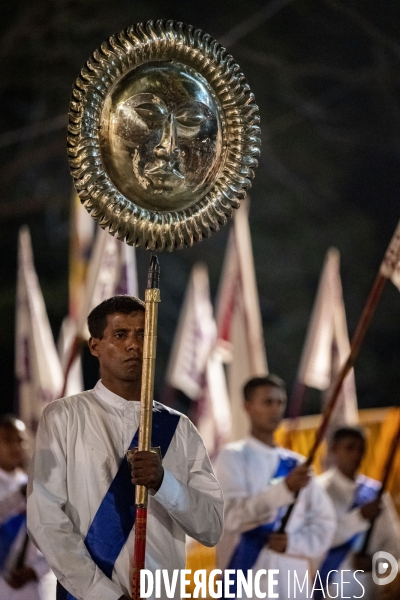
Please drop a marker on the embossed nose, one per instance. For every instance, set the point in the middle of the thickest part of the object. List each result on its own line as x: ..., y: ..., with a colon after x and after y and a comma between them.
x: 167, y: 149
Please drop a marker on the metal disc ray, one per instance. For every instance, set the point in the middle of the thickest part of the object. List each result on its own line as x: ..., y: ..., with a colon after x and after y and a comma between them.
x: 163, y: 135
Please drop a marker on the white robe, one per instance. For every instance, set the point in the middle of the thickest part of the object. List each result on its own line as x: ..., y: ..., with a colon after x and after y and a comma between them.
x: 385, y: 534
x: 12, y: 503
x: 245, y: 470
x: 80, y: 443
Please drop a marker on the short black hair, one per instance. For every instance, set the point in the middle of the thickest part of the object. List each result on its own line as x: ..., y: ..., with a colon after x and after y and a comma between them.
x: 347, y: 431
x: 255, y: 382
x: 11, y: 421
x: 97, y: 320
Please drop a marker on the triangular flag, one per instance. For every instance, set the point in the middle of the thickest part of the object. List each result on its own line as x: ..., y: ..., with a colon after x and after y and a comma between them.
x: 327, y: 345
x: 239, y: 318
x: 196, y: 367
x: 213, y: 418
x: 37, y: 366
x: 195, y: 337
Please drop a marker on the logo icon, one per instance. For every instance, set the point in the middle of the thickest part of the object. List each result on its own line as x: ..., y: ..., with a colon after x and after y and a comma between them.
x: 384, y: 568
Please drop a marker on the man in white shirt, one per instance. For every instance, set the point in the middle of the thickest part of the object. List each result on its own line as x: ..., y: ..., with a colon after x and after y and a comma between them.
x: 23, y: 569
x: 355, y: 500
x: 259, y: 481
x: 80, y: 497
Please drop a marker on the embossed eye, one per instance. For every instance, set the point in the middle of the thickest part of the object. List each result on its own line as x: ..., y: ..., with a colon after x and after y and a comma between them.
x: 151, y: 112
x: 189, y: 117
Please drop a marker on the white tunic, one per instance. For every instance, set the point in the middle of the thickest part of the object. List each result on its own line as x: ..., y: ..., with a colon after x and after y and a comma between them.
x: 12, y: 503
x: 245, y: 470
x: 385, y: 534
x: 80, y: 443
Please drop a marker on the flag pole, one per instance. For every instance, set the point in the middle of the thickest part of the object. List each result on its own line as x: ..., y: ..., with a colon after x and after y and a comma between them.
x: 385, y: 480
x: 152, y: 298
x: 386, y: 270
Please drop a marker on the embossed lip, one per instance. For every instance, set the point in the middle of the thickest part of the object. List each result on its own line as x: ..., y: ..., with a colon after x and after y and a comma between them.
x: 163, y: 171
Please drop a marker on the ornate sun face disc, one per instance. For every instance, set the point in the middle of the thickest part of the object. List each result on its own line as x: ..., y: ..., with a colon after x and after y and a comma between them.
x: 163, y: 135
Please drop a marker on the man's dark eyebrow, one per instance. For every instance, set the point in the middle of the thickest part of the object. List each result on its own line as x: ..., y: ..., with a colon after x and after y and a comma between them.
x: 124, y: 329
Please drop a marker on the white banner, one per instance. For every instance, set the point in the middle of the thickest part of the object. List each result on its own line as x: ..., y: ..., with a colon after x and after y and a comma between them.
x: 111, y: 271
x: 239, y: 319
x: 37, y: 366
x: 196, y: 367
x: 327, y: 343
x: 195, y: 336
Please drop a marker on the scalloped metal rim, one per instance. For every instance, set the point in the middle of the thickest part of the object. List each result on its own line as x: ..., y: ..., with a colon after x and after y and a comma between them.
x: 136, y: 45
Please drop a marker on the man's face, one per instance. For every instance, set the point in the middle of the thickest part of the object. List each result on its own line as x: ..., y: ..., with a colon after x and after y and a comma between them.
x: 120, y: 350
x: 13, y: 446
x: 266, y: 408
x: 347, y: 454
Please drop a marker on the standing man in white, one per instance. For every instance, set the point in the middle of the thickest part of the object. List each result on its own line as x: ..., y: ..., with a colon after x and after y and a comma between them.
x: 81, y: 510
x: 259, y: 481
x: 354, y: 497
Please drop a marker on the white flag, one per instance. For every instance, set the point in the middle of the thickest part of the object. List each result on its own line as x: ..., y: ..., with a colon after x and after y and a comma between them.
x: 327, y: 343
x: 127, y: 276
x: 65, y: 341
x: 239, y: 319
x: 390, y: 266
x: 111, y: 271
x: 81, y: 242
x: 214, y: 414
x: 37, y: 366
x: 196, y: 367
x: 195, y: 336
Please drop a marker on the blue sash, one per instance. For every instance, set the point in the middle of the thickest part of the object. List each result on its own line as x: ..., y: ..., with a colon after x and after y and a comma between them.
x: 364, y: 493
x: 252, y: 542
x: 8, y: 534
x: 116, y: 514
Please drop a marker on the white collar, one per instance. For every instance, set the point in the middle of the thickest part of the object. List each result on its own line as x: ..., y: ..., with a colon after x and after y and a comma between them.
x: 343, y: 481
x: 109, y: 397
x: 260, y: 446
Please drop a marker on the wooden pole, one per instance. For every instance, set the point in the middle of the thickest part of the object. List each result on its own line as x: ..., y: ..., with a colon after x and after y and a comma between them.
x: 152, y: 298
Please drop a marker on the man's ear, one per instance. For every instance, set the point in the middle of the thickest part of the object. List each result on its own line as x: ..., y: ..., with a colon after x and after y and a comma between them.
x: 93, y: 344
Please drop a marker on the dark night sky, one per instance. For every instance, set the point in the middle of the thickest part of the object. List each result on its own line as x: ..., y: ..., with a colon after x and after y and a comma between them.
x: 326, y: 76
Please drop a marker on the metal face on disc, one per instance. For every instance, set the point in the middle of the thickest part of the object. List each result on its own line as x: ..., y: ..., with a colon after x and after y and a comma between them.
x: 163, y: 135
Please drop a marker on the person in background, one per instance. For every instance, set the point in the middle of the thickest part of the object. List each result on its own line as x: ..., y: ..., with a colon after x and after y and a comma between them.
x: 259, y: 481
x: 354, y: 497
x: 23, y: 569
